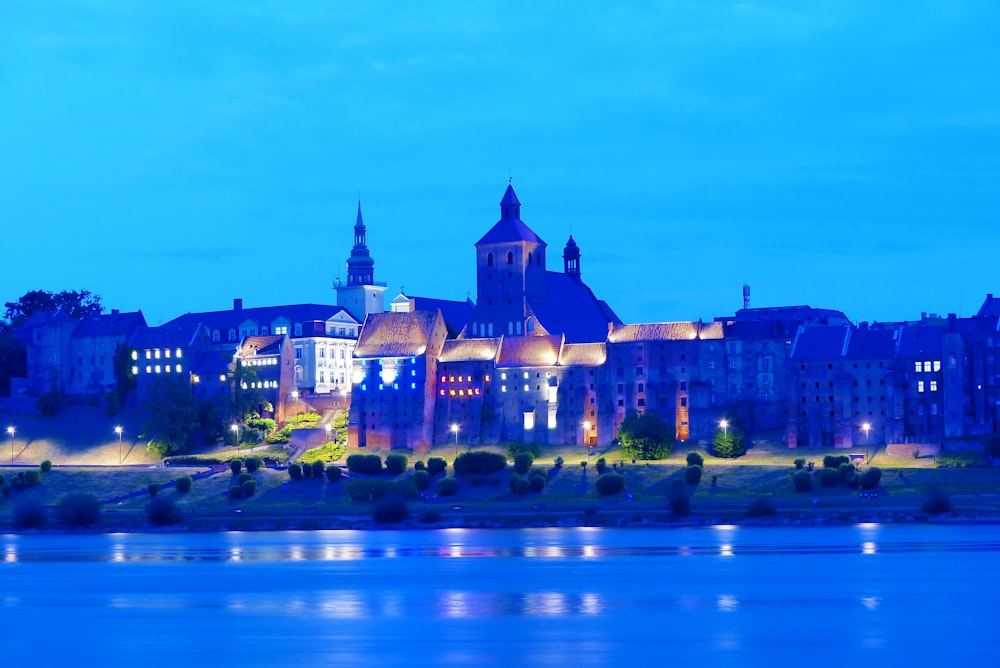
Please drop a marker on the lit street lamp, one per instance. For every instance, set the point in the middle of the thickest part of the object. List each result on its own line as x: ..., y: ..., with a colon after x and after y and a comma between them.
x: 235, y: 428
x: 866, y: 427
x: 10, y: 432
x: 454, y: 430
x: 586, y: 438
x: 724, y: 423
x: 118, y: 430
x: 295, y: 398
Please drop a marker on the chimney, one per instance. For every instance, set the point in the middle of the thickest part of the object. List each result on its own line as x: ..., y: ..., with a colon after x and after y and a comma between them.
x: 237, y: 304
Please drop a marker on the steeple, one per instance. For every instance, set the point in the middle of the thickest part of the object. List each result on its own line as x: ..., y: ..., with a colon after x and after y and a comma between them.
x: 571, y: 259
x: 510, y: 206
x: 360, y: 266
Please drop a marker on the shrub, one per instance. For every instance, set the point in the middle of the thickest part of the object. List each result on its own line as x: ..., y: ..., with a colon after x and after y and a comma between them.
x: 520, y: 484
x: 601, y: 465
x: 419, y: 465
x: 692, y: 474
x: 236, y: 492
x: 515, y: 448
x: 318, y: 468
x: 476, y: 479
x: 183, y: 484
x: 799, y: 463
x: 536, y: 481
x: 29, y: 514
x: 677, y: 499
x: 31, y: 477
x: 396, y: 464
x: 609, y: 483
x: 447, y: 487
x: 559, y: 462
x: 646, y: 436
x: 715, y: 479
x: 421, y: 479
x: 523, y: 462
x: 479, y: 461
x: 729, y: 443
x: 937, y: 502
x: 373, y: 490
x: 802, y: 481
x: 45, y: 466
x: 243, y: 477
x: 249, y: 487
x: 436, y: 465
x: 390, y: 509
x: 871, y: 478
x: 192, y: 460
x: 79, y: 510
x: 695, y: 459
x: 49, y: 403
x: 236, y: 465
x: 829, y: 477
x: 263, y: 424
x: 307, y: 469
x: 834, y: 461
x: 295, y: 472
x: 153, y: 488
x: 365, y: 464
x: 253, y: 464
x: 333, y: 473
x: 162, y: 511
x: 760, y: 507
x: 845, y: 471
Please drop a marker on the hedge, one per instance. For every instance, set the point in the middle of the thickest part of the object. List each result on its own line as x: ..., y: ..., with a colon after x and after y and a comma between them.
x: 479, y: 461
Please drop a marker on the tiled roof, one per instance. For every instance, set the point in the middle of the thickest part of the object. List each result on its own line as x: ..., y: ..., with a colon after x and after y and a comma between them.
x: 529, y: 351
x: 583, y: 354
x: 396, y: 334
x: 261, y: 345
x: 867, y: 344
x: 570, y: 308
x: 110, y: 324
x: 919, y: 341
x: 165, y: 336
x: 455, y: 313
x: 464, y: 350
x: 264, y: 315
x: 666, y: 331
x: 819, y: 343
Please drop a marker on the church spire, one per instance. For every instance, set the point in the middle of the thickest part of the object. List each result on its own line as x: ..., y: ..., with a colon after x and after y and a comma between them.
x: 510, y: 206
x: 571, y: 259
x: 360, y: 266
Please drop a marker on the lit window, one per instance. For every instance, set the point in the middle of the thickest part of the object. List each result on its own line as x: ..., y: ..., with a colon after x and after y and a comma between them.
x: 413, y: 386
x: 525, y: 374
x: 487, y: 378
x: 920, y: 386
x: 157, y: 368
x: 503, y: 376
x: 503, y: 388
x: 477, y: 391
x: 441, y: 393
x: 529, y: 420
x: 149, y: 369
x: 451, y: 392
x: 525, y: 388
x: 451, y: 379
x: 167, y: 368
x: 413, y: 372
x: 381, y: 386
x: 927, y: 367
x: 461, y: 393
x: 167, y: 352
x: 364, y: 386
x: 148, y: 354
x: 937, y: 365
x: 222, y: 378
x: 135, y: 370
x: 933, y: 386
x: 552, y: 420
x: 395, y: 386
x: 135, y: 354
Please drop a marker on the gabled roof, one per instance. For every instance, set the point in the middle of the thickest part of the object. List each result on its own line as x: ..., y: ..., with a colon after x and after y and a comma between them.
x: 990, y: 307
x: 819, y: 343
x: 263, y: 315
x: 261, y: 345
x: 396, y: 334
x: 467, y: 350
x: 868, y: 344
x: 919, y: 340
x: 41, y: 319
x: 509, y: 228
x: 455, y: 313
x: 534, y: 351
x: 110, y: 324
x: 166, y: 336
x: 583, y: 354
x: 665, y: 331
x: 570, y: 308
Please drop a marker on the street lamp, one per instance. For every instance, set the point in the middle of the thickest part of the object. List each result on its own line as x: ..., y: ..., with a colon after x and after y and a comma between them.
x: 724, y: 423
x: 10, y: 432
x: 866, y: 427
x: 295, y: 398
x: 454, y: 430
x: 586, y: 438
x: 235, y: 428
x: 329, y: 428
x: 118, y: 430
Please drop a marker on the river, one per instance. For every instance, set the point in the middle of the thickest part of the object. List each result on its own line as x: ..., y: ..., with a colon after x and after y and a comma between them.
x: 865, y: 595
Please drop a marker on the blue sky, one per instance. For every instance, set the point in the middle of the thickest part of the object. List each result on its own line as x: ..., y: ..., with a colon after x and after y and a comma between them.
x: 172, y: 156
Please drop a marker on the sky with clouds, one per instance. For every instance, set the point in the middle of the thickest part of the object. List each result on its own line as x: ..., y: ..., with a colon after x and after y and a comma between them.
x: 172, y: 156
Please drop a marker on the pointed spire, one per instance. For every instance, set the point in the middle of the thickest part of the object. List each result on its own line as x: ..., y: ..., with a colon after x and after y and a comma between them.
x: 571, y: 259
x: 510, y: 206
x: 360, y: 266
x: 360, y: 223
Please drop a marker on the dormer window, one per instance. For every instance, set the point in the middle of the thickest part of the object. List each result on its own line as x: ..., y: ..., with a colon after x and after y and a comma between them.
x: 298, y: 329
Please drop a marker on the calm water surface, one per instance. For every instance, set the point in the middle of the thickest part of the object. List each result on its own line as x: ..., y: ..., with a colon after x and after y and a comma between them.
x: 856, y: 595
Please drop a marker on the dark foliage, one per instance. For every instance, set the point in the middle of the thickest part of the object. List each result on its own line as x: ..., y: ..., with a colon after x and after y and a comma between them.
x: 760, y: 507
x: 31, y: 477
x: 937, y: 502
x: 318, y: 469
x: 183, y: 484
x: 419, y: 465
x: 514, y: 449
x: 802, y: 480
x: 236, y: 465
x: 479, y: 461
x: 236, y: 491
x: 249, y: 487
x: 295, y: 471
x: 373, y: 490
x: 871, y: 478
x: 49, y: 403
x: 45, y: 466
x: 421, y: 479
x: 692, y: 474
x: 523, y: 462
x: 396, y: 464
x: 253, y: 464
x: 695, y: 459
x: 678, y: 500
x: 390, y: 509
x: 30, y: 514
x: 536, y: 481
x: 447, y: 487
x: 79, y: 510
x: 436, y: 465
x: 835, y: 461
x: 646, y: 436
x: 799, y: 463
x: 153, y: 488
x: 162, y: 511
x: 365, y: 464
x: 609, y: 483
x: 829, y: 477
x: 333, y: 473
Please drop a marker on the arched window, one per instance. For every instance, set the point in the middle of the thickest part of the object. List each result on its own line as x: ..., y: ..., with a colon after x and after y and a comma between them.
x: 531, y: 325
x: 489, y: 259
x: 510, y: 257
x: 529, y: 257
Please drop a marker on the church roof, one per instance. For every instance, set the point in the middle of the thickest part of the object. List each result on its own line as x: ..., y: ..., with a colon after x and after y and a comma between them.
x: 529, y: 351
x: 510, y: 227
x: 468, y: 350
x: 570, y: 308
x: 392, y: 334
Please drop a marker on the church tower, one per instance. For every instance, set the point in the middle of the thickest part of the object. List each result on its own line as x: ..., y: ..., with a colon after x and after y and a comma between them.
x: 571, y: 260
x: 510, y: 271
x: 361, y: 294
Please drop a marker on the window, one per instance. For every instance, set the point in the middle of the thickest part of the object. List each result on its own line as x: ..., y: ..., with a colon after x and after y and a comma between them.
x: 684, y: 401
x: 510, y: 260
x: 937, y: 365
x: 489, y: 259
x: 298, y: 329
x: 920, y: 386
x: 934, y: 409
x: 298, y: 352
x: 732, y: 362
x: 684, y: 385
x: 933, y: 386
x: 916, y: 367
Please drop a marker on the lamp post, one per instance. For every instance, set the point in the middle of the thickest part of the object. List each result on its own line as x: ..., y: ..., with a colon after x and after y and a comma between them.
x: 724, y: 423
x: 586, y: 438
x: 235, y: 428
x: 10, y: 432
x: 295, y: 398
x: 118, y: 430
x: 454, y: 430
x: 866, y: 427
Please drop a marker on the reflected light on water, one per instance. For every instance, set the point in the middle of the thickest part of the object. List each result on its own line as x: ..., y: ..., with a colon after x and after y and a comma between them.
x: 343, y: 605
x: 296, y: 553
x: 590, y: 552
x: 591, y: 604
x: 868, y: 547
x: 870, y: 602
x: 10, y: 554
x: 726, y: 550
x: 727, y: 603
x: 455, y: 604
x: 545, y: 603
x: 235, y: 554
x: 118, y: 553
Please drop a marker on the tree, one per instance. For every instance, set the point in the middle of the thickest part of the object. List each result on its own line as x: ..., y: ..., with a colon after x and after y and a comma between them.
x: 646, y: 436
x: 248, y: 400
x: 729, y: 443
x: 172, y: 415
x: 122, y: 362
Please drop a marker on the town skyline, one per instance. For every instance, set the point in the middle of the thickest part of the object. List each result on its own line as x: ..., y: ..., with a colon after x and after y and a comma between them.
x: 177, y: 158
